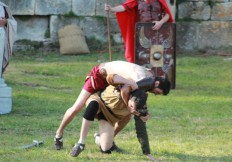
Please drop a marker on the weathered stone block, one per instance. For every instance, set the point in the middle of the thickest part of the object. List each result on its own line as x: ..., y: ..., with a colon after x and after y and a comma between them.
x: 92, y: 26
x: 58, y: 22
x: 32, y: 28
x: 5, y: 98
x: 100, y: 7
x: 186, y: 35
x: 6, y: 105
x: 222, y: 11
x: 21, y: 7
x: 84, y: 8
x: 95, y: 28
x: 53, y: 7
x: 215, y: 34
x: 194, y: 10
x: 204, y: 35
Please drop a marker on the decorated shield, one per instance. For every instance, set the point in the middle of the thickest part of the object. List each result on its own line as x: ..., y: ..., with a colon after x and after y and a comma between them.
x: 155, y: 49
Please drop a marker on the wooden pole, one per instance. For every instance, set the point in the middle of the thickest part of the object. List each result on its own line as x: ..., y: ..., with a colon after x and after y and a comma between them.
x: 108, y: 29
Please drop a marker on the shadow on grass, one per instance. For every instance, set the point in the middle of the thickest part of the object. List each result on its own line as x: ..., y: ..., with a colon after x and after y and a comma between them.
x: 187, y: 157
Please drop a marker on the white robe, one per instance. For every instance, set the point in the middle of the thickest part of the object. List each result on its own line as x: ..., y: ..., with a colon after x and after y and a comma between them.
x: 8, y: 38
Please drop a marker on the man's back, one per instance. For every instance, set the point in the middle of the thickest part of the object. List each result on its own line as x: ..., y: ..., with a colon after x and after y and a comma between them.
x: 127, y: 70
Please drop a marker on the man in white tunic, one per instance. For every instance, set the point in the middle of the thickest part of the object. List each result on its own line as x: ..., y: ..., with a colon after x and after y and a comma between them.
x: 8, y: 30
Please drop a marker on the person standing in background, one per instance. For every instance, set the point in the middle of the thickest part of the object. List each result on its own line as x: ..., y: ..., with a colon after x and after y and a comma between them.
x: 132, y: 11
x: 8, y: 31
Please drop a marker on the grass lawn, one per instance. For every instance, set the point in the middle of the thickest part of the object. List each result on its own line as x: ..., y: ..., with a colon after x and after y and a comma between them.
x: 193, y: 123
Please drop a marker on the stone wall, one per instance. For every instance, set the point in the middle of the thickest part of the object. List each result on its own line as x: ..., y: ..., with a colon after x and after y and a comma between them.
x: 39, y: 20
x: 204, y: 25
x: 201, y: 24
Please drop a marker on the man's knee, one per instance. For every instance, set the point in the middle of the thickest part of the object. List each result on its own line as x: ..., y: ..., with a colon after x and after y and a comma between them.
x: 108, y: 151
x: 91, y: 110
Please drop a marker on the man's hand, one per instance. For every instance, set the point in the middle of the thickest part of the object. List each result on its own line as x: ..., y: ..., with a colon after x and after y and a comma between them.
x: 157, y: 26
x: 151, y: 157
x: 145, y: 118
x: 131, y: 108
x: 118, y: 8
x: 107, y: 7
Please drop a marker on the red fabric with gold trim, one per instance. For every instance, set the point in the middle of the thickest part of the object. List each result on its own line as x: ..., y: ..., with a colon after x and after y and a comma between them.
x: 95, y: 81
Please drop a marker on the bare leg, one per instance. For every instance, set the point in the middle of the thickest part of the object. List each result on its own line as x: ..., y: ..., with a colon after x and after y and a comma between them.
x: 72, y: 111
x: 80, y: 145
x: 121, y: 124
x: 97, y: 139
x: 106, y: 135
x: 86, y: 124
x: 117, y: 128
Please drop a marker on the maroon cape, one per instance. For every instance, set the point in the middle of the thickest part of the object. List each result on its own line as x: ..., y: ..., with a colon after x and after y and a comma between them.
x: 126, y: 21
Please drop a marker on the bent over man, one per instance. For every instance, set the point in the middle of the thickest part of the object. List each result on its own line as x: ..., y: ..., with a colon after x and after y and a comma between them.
x: 109, y: 73
x: 109, y: 108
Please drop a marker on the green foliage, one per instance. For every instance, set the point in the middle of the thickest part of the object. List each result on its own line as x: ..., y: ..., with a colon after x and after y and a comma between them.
x: 70, y: 14
x: 192, y: 123
x: 96, y: 45
x: 47, y: 33
x: 211, y: 3
x: 101, y: 46
x: 33, y: 44
x: 102, y: 19
x: 25, y: 18
x: 181, y: 1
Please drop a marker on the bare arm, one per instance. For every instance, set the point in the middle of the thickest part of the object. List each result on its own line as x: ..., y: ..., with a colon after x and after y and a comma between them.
x: 121, y: 124
x: 125, y: 93
x: 119, y: 8
x: 114, y: 79
x: 165, y: 18
x: 158, y: 24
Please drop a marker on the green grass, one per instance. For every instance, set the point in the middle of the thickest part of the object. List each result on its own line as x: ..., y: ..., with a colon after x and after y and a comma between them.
x: 193, y: 123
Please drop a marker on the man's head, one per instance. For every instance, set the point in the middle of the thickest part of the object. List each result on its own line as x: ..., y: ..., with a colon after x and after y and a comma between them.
x: 137, y: 99
x: 162, y: 85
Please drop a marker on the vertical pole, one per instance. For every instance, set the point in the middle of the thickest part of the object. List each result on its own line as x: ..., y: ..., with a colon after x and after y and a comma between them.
x: 108, y: 29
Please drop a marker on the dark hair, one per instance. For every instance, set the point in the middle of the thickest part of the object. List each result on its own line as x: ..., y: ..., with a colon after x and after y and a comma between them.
x: 139, y: 97
x: 164, y: 85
